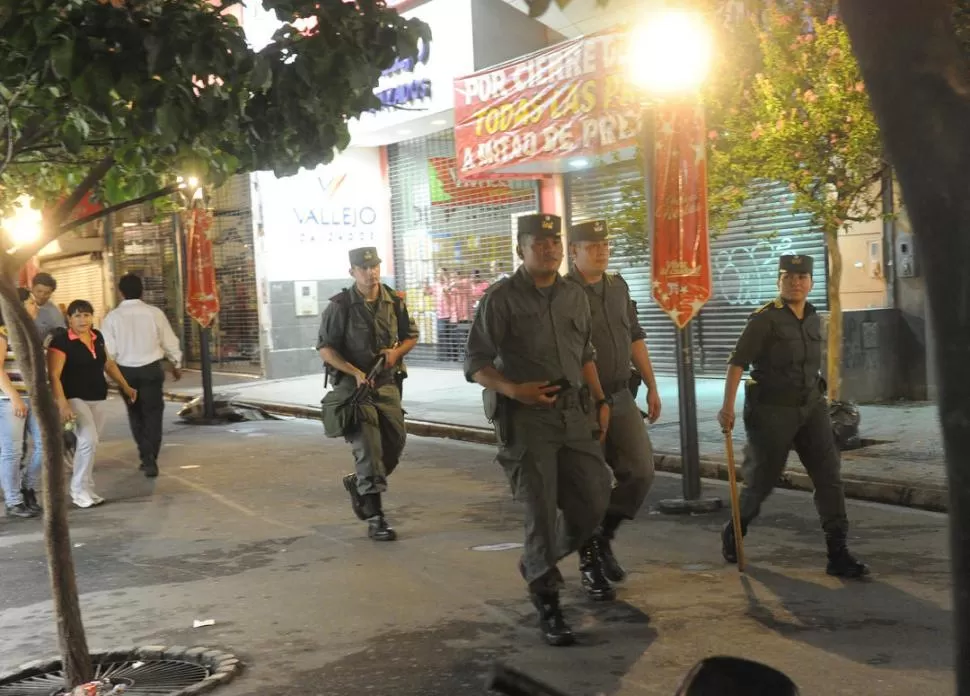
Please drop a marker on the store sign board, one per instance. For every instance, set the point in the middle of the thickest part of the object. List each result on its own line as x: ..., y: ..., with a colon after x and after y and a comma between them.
x: 447, y: 189
x: 403, y: 84
x: 568, y: 100
x: 313, y: 219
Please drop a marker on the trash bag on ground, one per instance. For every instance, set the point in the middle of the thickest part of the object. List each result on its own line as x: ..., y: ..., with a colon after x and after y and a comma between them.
x: 845, y: 419
x: 226, y: 409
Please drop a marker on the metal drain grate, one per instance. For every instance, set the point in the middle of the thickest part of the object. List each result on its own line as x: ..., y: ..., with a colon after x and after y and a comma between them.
x: 140, y: 676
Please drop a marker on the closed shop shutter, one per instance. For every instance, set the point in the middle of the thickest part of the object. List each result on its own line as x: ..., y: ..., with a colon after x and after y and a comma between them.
x: 744, y: 263
x: 79, y: 278
x: 149, y: 250
x: 438, y: 223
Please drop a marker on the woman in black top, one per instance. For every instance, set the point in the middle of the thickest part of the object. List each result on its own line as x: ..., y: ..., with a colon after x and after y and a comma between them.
x: 77, y: 363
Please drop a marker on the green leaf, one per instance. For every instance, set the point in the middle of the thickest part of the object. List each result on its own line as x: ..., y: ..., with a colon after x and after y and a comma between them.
x: 262, y: 78
x: 62, y: 58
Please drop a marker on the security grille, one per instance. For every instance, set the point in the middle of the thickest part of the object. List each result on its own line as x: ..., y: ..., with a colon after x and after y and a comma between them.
x: 451, y: 240
x: 235, y: 332
x: 146, y: 247
x: 150, y: 249
x: 744, y: 260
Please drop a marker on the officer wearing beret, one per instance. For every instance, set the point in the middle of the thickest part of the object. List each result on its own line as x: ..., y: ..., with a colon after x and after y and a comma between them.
x: 359, y: 324
x: 530, y: 347
x: 619, y: 342
x: 784, y: 408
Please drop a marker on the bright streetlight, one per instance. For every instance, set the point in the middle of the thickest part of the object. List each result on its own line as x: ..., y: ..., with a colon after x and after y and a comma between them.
x: 24, y: 225
x: 670, y: 52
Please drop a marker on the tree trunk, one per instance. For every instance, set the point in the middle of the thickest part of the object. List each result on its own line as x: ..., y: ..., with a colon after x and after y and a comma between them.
x: 918, y: 79
x: 834, y: 367
x: 27, y: 346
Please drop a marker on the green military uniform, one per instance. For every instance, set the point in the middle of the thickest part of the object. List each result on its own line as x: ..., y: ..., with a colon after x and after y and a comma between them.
x: 628, y: 449
x: 553, y: 462
x: 360, y: 331
x: 785, y: 408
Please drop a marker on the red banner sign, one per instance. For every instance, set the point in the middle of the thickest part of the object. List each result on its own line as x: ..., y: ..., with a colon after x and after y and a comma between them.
x: 570, y: 100
x: 680, y: 249
x: 202, y: 295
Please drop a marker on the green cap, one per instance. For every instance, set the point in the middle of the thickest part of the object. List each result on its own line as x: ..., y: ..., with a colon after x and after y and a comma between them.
x: 540, y: 225
x: 592, y: 231
x: 795, y: 263
x: 365, y: 257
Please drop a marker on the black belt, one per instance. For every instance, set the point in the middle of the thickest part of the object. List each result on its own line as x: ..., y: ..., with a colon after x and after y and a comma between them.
x: 787, y: 398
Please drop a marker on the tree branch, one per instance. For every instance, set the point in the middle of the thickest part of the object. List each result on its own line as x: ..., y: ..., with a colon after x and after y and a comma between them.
x: 168, y: 190
x: 52, y: 226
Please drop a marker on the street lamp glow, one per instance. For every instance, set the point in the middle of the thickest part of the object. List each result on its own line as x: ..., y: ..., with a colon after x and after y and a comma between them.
x: 670, y: 52
x: 24, y: 226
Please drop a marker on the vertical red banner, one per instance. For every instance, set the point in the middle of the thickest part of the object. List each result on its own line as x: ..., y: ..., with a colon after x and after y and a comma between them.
x: 680, y: 249
x: 201, y: 294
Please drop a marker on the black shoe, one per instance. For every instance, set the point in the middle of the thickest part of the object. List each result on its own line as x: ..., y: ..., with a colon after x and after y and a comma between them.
x: 20, y: 510
x: 594, y: 582
x: 612, y: 569
x: 379, y: 530
x: 728, y: 548
x: 350, y: 484
x: 555, y: 631
x: 150, y: 469
x: 843, y: 564
x: 30, y: 500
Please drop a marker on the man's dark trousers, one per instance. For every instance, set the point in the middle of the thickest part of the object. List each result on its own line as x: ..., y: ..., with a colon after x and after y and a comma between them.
x: 145, y: 415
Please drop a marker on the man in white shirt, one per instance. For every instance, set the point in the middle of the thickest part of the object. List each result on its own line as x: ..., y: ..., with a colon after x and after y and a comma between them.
x: 137, y: 337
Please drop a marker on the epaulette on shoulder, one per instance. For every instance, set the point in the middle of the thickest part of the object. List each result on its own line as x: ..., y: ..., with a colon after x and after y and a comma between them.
x: 767, y: 306
x: 498, y: 285
x: 341, y: 297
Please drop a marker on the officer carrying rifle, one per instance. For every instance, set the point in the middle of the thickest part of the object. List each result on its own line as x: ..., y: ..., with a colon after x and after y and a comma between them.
x: 530, y: 348
x: 367, y: 327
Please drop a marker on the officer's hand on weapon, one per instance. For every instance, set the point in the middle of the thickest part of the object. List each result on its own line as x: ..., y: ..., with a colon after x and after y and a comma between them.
x: 536, y: 393
x: 726, y: 418
x: 391, y: 357
x: 362, y: 379
x: 653, y: 404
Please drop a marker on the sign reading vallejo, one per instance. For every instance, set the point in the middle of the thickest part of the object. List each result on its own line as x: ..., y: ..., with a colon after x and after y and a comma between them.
x: 569, y: 100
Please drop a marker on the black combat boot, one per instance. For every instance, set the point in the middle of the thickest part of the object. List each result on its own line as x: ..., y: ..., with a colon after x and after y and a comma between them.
x: 555, y: 630
x: 728, y: 548
x: 594, y: 582
x: 350, y: 484
x: 841, y: 563
x: 612, y: 569
x: 379, y: 530
x: 377, y: 527
x: 30, y: 500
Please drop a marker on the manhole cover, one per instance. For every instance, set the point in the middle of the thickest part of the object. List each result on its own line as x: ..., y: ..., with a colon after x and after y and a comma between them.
x: 166, y: 675
x: 507, y: 546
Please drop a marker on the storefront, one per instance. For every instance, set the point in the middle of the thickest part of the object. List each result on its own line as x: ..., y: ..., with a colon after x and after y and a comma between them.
x: 396, y: 188
x: 152, y: 249
x: 564, y: 113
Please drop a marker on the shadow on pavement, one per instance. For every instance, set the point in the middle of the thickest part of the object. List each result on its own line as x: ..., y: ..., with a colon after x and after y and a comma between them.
x: 857, y: 620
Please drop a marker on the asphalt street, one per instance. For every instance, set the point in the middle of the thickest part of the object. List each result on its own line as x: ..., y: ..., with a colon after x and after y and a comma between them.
x: 249, y: 526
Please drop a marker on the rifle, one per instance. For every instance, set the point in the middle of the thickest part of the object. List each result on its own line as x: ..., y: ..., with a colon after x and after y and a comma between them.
x: 363, y: 390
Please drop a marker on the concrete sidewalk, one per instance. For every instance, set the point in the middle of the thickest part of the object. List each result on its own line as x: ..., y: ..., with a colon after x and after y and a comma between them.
x: 901, y: 462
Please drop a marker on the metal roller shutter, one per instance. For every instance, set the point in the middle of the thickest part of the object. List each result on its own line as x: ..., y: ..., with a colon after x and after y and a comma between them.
x: 744, y: 262
x: 150, y: 250
x: 79, y: 278
x: 438, y: 222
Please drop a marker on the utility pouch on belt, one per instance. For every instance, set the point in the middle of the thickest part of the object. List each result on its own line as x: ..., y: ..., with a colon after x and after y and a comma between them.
x: 636, y: 379
x: 497, y: 412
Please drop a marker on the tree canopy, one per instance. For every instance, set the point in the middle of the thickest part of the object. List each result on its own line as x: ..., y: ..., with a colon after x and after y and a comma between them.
x: 124, y: 96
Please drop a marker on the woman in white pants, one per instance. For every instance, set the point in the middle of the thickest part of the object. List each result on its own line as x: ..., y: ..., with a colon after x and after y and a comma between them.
x: 77, y: 363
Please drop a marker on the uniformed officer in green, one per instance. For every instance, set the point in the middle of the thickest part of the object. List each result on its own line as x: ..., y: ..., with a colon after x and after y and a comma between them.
x: 784, y: 408
x: 619, y: 342
x: 361, y: 323
x: 530, y: 344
